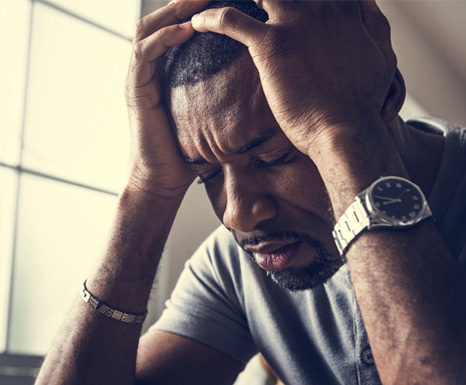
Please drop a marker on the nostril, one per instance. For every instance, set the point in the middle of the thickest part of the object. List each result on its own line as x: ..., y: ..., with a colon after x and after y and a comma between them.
x: 245, y: 213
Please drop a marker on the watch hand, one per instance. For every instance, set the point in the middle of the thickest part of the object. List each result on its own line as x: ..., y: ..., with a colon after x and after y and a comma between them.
x: 388, y: 199
x: 404, y: 191
x: 392, y: 201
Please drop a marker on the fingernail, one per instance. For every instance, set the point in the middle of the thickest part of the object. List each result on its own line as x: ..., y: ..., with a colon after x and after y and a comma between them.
x: 186, y: 25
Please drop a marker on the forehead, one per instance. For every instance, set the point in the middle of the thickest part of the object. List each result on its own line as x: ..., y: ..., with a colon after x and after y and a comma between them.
x: 222, y: 113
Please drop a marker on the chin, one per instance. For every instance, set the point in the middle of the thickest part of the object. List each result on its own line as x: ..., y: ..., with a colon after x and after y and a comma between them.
x: 323, y: 267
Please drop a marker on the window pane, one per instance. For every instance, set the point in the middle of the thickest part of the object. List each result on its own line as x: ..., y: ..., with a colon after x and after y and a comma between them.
x: 76, y: 122
x: 14, y: 24
x: 62, y: 230
x: 118, y: 15
x: 8, y: 184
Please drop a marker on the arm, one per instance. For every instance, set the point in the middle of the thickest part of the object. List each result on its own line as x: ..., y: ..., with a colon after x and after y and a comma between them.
x: 95, y: 349
x: 182, y: 361
x: 330, y: 78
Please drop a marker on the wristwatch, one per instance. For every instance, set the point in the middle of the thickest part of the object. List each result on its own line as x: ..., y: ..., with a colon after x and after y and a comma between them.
x: 390, y: 201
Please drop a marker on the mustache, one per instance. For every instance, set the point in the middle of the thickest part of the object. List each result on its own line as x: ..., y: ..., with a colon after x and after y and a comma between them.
x: 255, y: 239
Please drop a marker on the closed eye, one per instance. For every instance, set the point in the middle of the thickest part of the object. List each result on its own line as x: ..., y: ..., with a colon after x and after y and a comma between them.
x: 209, y: 178
x: 283, y: 159
x: 278, y: 161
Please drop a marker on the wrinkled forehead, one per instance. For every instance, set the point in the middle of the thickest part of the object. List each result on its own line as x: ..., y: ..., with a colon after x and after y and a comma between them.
x: 238, y: 82
x: 223, y: 110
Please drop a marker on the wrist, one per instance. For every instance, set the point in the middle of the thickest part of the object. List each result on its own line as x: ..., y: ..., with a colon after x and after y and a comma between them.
x: 124, y: 276
x: 390, y: 202
x: 350, y: 158
x: 154, y: 186
x: 148, y: 204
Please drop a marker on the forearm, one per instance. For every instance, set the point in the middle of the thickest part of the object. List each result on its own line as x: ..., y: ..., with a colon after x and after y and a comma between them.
x: 412, y: 298
x: 95, y: 349
x: 350, y: 156
x: 409, y: 287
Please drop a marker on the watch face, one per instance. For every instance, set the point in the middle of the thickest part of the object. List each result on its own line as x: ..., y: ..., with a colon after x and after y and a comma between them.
x: 397, y: 199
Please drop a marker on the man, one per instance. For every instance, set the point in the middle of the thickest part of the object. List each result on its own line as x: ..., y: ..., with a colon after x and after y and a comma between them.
x: 284, y: 136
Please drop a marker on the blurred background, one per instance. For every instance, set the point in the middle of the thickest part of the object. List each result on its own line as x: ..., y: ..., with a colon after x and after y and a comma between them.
x: 64, y: 152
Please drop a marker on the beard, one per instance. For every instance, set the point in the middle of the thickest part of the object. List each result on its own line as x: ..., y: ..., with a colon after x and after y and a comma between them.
x: 323, y: 266
x: 319, y: 270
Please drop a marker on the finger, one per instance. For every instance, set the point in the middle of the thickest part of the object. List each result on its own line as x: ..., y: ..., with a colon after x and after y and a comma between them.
x: 147, y: 51
x: 175, y: 12
x: 157, y: 44
x: 231, y: 22
x: 378, y: 28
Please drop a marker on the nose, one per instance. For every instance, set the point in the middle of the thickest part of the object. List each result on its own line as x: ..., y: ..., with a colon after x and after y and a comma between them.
x: 248, y: 202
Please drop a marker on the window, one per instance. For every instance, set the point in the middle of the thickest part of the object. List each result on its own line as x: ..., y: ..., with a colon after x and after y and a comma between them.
x: 64, y: 154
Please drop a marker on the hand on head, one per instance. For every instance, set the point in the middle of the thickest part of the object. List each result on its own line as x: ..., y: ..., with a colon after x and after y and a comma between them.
x: 157, y: 166
x: 322, y: 64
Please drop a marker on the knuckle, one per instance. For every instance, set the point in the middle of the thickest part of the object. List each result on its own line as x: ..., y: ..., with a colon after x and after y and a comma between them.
x: 227, y: 17
x: 141, y: 29
x: 162, y: 34
x: 138, y: 51
x: 129, y: 93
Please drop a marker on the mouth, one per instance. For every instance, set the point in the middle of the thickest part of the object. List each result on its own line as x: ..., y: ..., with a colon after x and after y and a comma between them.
x: 274, y: 256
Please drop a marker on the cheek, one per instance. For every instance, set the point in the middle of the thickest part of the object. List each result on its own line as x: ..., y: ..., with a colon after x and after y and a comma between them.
x: 304, y: 189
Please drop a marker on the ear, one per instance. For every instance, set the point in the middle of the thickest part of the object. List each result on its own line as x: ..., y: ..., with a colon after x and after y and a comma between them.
x: 395, y: 98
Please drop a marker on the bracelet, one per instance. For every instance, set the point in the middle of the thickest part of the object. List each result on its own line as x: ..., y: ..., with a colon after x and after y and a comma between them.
x: 110, y: 312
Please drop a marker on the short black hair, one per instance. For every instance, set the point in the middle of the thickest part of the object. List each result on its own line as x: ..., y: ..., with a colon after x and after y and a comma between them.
x: 207, y: 53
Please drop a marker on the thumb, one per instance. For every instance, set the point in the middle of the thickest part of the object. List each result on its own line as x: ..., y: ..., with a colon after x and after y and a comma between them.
x: 231, y: 22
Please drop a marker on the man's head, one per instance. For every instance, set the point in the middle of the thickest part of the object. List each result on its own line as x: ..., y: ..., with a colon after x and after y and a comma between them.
x: 261, y: 187
x: 205, y: 54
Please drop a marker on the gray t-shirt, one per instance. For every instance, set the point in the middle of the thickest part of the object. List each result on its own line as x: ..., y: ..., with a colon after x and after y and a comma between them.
x: 225, y: 300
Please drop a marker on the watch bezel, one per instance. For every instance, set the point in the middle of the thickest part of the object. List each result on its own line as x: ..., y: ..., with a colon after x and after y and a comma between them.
x: 379, y: 219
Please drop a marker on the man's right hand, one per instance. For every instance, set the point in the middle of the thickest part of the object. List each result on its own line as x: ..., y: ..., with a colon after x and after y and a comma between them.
x: 157, y: 166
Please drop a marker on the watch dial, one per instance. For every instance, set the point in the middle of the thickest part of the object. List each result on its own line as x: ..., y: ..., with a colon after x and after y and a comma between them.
x: 397, y: 199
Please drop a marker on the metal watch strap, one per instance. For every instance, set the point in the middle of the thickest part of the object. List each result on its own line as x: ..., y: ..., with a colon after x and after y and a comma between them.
x: 110, y: 312
x: 352, y: 222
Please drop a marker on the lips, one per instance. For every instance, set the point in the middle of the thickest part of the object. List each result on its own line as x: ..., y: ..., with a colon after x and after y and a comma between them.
x: 273, y: 256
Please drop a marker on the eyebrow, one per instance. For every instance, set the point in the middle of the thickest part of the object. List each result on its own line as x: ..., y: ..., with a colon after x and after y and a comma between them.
x: 258, y: 141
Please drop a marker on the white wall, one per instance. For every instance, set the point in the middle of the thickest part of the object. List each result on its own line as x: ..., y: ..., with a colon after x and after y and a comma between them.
x: 429, y: 38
